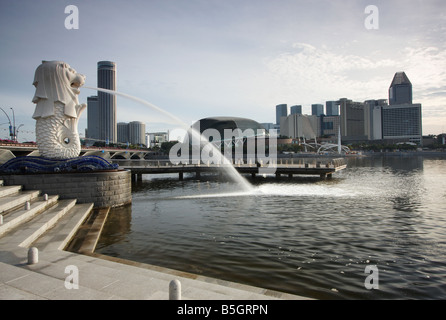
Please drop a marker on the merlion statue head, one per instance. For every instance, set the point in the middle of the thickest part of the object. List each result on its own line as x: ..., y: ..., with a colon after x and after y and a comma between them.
x: 56, y: 81
x: 57, y: 109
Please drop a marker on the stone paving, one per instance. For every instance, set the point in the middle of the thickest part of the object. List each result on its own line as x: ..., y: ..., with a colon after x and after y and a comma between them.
x: 49, y: 224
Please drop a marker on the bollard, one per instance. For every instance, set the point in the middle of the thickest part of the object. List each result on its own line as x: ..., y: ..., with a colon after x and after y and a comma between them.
x: 45, y: 197
x: 175, y: 290
x: 27, y: 205
x: 1, y: 219
x: 33, y: 255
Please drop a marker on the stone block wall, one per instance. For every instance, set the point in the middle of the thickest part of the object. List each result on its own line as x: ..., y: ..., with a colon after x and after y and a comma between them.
x: 103, y: 188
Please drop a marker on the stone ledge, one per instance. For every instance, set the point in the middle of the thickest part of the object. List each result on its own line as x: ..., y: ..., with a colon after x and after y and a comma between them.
x: 103, y: 188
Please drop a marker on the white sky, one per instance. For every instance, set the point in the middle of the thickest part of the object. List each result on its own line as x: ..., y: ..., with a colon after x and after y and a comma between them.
x: 201, y: 58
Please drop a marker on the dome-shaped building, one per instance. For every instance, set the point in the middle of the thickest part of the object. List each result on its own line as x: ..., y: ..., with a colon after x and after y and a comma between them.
x: 248, y: 128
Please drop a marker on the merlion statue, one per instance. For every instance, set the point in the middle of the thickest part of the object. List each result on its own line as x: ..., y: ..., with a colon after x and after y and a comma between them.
x: 57, y: 109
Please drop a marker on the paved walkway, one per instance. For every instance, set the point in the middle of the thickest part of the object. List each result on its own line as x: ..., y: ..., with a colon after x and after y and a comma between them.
x: 98, y: 277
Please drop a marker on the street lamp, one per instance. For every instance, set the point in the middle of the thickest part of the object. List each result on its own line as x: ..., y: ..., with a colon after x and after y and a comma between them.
x: 10, y: 125
x: 12, y: 128
x: 14, y: 137
x: 17, y: 131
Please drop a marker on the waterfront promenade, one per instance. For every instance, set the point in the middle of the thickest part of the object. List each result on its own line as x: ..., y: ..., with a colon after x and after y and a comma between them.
x: 50, y: 224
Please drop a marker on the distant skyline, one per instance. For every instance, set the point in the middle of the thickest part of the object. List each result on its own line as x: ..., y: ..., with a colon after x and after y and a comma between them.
x: 203, y: 58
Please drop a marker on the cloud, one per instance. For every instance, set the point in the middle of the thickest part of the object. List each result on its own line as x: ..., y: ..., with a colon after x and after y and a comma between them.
x: 320, y: 73
x: 306, y: 74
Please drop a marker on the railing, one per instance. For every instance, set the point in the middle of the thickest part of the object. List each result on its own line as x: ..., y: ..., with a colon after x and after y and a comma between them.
x: 291, y: 162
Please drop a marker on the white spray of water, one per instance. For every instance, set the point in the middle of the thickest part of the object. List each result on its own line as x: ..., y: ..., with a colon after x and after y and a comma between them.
x: 228, y: 168
x: 287, y: 190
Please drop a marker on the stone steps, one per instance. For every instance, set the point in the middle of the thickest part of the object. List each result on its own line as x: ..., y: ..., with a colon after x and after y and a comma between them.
x: 9, y: 201
x: 20, y: 216
x: 21, y: 225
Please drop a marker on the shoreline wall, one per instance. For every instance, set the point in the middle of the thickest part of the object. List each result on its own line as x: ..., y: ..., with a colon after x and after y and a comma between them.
x: 103, y: 188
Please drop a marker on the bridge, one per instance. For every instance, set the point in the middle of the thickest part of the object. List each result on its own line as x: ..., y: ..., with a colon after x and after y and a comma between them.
x: 288, y: 167
x: 20, y: 149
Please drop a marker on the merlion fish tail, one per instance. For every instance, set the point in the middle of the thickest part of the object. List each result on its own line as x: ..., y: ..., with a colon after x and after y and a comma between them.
x: 57, y: 136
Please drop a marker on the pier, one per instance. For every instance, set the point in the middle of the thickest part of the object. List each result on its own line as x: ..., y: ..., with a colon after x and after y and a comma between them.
x: 288, y: 167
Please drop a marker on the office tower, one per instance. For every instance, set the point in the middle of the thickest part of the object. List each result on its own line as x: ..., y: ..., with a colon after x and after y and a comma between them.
x: 373, y: 118
x: 402, y: 122
x: 401, y: 119
x: 137, y: 133
x: 352, y: 120
x: 317, y: 109
x: 329, y: 126
x: 93, y: 118
x: 132, y: 133
x: 299, y: 126
x: 331, y: 108
x: 281, y: 111
x: 400, y: 90
x: 122, y: 129
x: 107, y: 102
x: 297, y: 109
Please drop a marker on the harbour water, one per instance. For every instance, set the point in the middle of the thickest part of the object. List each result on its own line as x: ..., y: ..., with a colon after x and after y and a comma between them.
x: 302, y: 235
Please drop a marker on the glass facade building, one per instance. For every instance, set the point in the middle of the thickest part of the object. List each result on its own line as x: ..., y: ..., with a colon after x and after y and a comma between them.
x: 317, y: 109
x: 92, y: 118
x: 400, y: 90
x: 402, y: 121
x: 107, y: 102
x: 297, y: 109
x: 332, y: 108
x: 281, y: 111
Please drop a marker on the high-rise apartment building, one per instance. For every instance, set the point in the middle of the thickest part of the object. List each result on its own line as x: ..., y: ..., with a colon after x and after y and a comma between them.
x: 107, y: 102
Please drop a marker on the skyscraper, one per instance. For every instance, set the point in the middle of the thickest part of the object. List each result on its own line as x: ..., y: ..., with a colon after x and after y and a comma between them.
x: 352, y: 120
x: 137, y: 132
x: 401, y: 119
x: 296, y: 109
x: 281, y: 111
x: 107, y: 102
x: 133, y: 132
x: 123, y: 132
x: 400, y: 90
x: 317, y: 109
x: 93, y: 118
x: 331, y: 108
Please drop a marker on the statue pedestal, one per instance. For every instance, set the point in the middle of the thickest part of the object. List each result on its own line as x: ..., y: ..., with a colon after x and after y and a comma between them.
x: 103, y: 188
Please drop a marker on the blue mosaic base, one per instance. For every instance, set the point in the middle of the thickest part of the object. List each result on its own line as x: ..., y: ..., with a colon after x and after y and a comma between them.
x: 43, y: 165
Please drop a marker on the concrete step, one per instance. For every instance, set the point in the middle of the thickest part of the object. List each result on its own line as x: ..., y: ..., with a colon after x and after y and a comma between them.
x: 61, y: 234
x: 8, y: 190
x: 46, y: 221
x: 12, y: 201
x: 19, y: 216
x: 34, y: 228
